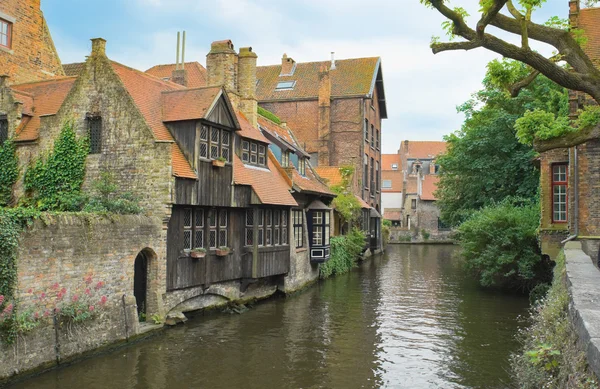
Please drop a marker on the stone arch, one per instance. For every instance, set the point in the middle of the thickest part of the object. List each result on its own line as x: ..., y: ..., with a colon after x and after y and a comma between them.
x: 145, y: 282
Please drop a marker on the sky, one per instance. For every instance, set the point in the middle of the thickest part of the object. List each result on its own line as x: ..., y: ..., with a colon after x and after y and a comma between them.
x: 422, y: 89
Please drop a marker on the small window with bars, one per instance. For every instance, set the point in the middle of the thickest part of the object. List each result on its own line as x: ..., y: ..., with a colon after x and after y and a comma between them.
x: 284, y: 227
x: 285, y: 158
x: 223, y: 221
x: 199, y: 228
x: 261, y: 223
x: 245, y: 151
x: 262, y: 155
x: 253, y: 153
x: 204, y: 142
x: 249, y: 227
x: 302, y: 166
x: 212, y: 229
x: 3, y: 129
x: 367, y: 130
x: 94, y: 127
x: 187, y: 229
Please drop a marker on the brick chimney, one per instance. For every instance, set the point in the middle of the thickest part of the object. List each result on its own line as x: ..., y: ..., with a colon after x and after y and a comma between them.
x: 247, y: 84
x: 179, y: 75
x: 574, y: 8
x: 288, y: 65
x: 222, y: 65
x: 324, y: 102
x: 99, y: 47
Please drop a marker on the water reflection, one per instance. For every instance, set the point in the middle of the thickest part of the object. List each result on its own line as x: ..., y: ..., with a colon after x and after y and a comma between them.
x: 409, y: 319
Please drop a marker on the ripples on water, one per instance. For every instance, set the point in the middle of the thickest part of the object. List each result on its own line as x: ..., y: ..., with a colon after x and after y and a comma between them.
x: 410, y: 319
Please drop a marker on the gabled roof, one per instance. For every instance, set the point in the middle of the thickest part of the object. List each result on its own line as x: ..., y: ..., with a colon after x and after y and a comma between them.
x: 73, y: 69
x: 39, y: 99
x: 589, y: 22
x: 146, y: 92
x: 196, y: 73
x: 268, y: 184
x: 387, y: 160
x: 248, y: 130
x: 422, y: 149
x: 331, y: 174
x: 189, y: 104
x: 351, y: 77
x: 310, y: 183
x: 429, y: 186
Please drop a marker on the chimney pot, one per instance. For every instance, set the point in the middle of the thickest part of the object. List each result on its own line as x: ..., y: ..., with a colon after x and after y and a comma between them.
x: 4, y: 79
x: 332, y: 60
x: 99, y: 46
x: 288, y: 66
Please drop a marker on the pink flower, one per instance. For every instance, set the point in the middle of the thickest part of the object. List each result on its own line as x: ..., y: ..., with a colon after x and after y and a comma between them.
x: 75, y: 298
x: 60, y: 295
x: 103, y: 300
x: 99, y: 285
x: 46, y: 313
x: 8, y: 309
x: 36, y: 315
x: 63, y: 290
x: 30, y: 290
x: 55, y: 286
x: 91, y: 308
x: 43, y: 295
x: 1, y: 299
x: 88, y: 291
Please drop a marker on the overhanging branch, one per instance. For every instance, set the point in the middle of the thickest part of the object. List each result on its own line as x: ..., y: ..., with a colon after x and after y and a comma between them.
x: 569, y: 140
x: 468, y: 45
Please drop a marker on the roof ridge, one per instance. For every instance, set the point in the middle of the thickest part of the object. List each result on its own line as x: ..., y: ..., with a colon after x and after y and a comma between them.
x: 151, y: 77
x: 50, y: 80
x: 173, y: 64
x: 324, y: 61
x: 192, y: 89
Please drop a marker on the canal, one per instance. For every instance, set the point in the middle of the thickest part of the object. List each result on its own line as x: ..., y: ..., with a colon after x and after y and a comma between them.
x: 408, y: 319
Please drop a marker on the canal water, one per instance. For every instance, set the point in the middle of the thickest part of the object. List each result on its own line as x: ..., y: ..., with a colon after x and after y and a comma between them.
x: 408, y: 319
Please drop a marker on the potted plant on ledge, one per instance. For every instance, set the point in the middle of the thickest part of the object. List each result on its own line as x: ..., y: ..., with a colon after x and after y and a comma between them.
x: 219, y: 162
x: 223, y: 251
x: 198, y: 253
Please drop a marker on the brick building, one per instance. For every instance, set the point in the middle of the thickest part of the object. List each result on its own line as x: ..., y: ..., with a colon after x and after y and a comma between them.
x: 392, y: 178
x: 27, y: 52
x: 570, y: 194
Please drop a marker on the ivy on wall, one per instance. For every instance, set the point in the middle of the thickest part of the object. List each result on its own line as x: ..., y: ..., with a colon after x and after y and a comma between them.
x: 9, y: 171
x: 54, y: 182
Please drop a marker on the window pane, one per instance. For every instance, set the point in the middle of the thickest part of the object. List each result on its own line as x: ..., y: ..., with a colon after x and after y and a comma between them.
x: 261, y: 150
x: 261, y: 217
x: 225, y: 153
x: 261, y: 237
x: 284, y: 218
x: 276, y: 217
x: 261, y: 160
x: 95, y: 134
x: 199, y: 238
x: 268, y: 243
x: 225, y: 139
x: 253, y: 147
x: 253, y: 158
x: 204, y: 133
x: 187, y: 218
x: 249, y: 236
x: 223, y: 218
x: 214, y: 151
x: 245, y: 157
x: 214, y: 135
x: 249, y: 217
x: 212, y: 239
x: 187, y: 240
x: 203, y: 150
x: 317, y: 235
x: 276, y: 236
x: 212, y: 218
x: 284, y: 235
x: 269, y: 221
x: 222, y: 237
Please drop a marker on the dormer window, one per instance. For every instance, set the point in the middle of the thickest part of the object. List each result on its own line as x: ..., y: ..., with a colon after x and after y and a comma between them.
x: 302, y: 166
x: 5, y: 33
x: 285, y: 158
x: 254, y: 153
x: 214, y: 143
x: 285, y: 85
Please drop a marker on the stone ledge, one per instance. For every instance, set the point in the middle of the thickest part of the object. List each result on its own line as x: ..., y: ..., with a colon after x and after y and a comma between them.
x: 583, y: 280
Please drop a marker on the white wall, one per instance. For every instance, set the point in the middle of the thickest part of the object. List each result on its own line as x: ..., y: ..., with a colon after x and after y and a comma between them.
x: 391, y: 200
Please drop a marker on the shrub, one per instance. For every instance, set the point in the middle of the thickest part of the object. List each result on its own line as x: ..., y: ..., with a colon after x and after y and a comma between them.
x: 345, y: 251
x: 425, y: 234
x: 551, y: 356
x: 9, y: 171
x: 500, y: 245
x: 269, y: 115
x: 108, y: 199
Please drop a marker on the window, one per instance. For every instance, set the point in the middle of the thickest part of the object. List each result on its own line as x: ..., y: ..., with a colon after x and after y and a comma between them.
x: 249, y: 227
x: 272, y: 227
x: 5, y: 33
x: 559, y: 193
x: 215, y: 143
x: 413, y: 203
x: 387, y: 184
x: 3, y: 129
x: 199, y: 223
x: 367, y: 130
x: 372, y: 185
x: 285, y: 158
x: 284, y: 227
x: 366, y: 172
x: 394, y: 166
x: 320, y: 228
x: 254, y: 153
x: 372, y: 136
x: 94, y: 127
x: 377, y: 139
x: 377, y: 176
x: 298, y: 220
x: 302, y: 166
x: 285, y: 85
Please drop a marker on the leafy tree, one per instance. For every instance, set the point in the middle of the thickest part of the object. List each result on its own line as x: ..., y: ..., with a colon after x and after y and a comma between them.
x: 484, y: 162
x: 9, y: 172
x: 499, y: 244
x: 580, y: 74
x: 345, y: 202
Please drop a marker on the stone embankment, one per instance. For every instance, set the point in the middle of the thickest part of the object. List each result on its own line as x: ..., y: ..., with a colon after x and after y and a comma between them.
x: 583, y: 280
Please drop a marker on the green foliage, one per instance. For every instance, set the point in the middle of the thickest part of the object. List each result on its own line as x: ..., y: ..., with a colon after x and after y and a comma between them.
x: 386, y: 232
x: 448, y: 25
x: 541, y: 125
x: 500, y: 245
x: 268, y: 114
x: 538, y: 293
x: 485, y: 162
x: 108, y: 199
x: 425, y: 234
x: 551, y: 356
x: 345, y: 251
x: 157, y: 319
x: 9, y: 171
x: 54, y: 182
x: 346, y: 204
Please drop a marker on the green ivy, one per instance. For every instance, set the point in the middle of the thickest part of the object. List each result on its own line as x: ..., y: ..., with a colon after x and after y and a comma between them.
x: 269, y: 115
x: 54, y: 182
x: 345, y: 203
x: 9, y: 171
x: 345, y: 251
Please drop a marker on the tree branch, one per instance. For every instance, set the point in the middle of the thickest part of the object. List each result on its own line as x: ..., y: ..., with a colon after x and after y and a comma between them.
x: 569, y: 140
x: 515, y: 89
x: 487, y: 17
x: 447, y: 46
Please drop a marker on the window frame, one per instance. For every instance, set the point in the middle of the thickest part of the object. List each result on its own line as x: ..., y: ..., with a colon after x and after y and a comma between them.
x: 200, y: 225
x: 94, y: 128
x: 223, y: 149
x: 3, y: 129
x: 298, y: 226
x: 367, y: 130
x: 321, y: 227
x: 290, y: 85
x: 9, y: 30
x: 384, y: 186
x: 372, y: 136
x: 254, y: 153
x: 564, y: 184
x: 413, y: 204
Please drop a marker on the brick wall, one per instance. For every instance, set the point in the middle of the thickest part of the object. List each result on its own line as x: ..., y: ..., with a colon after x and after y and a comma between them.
x: 67, y: 249
x: 32, y: 55
x: 589, y: 188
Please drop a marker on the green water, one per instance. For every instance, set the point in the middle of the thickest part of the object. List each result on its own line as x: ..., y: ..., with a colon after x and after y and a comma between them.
x: 408, y: 319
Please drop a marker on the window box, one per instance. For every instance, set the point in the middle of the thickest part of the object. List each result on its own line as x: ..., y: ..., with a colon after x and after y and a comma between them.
x: 198, y: 253
x: 223, y: 251
x: 218, y: 162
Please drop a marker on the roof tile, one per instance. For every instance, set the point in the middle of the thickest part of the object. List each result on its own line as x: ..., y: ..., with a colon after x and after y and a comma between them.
x: 196, y: 73
x: 429, y: 186
x: 423, y: 149
x: 589, y: 22
x: 188, y: 104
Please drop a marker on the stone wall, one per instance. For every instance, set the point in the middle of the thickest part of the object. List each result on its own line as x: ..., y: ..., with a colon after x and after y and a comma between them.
x: 302, y: 271
x: 404, y: 235
x: 32, y: 55
x: 67, y: 254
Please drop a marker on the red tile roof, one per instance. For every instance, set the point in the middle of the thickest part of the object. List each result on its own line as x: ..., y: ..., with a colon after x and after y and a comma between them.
x: 331, y: 174
x: 589, y: 22
x: 146, y: 92
x: 248, y: 130
x: 351, y: 77
x: 40, y: 99
x: 269, y: 185
x: 423, y: 149
x: 188, y: 104
x: 73, y: 69
x: 363, y: 203
x: 196, y: 73
x: 392, y: 215
x: 429, y: 186
x: 387, y: 160
x: 276, y: 129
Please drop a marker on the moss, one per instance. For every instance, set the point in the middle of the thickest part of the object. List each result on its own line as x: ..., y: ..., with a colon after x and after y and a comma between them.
x: 269, y: 115
x: 551, y: 356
